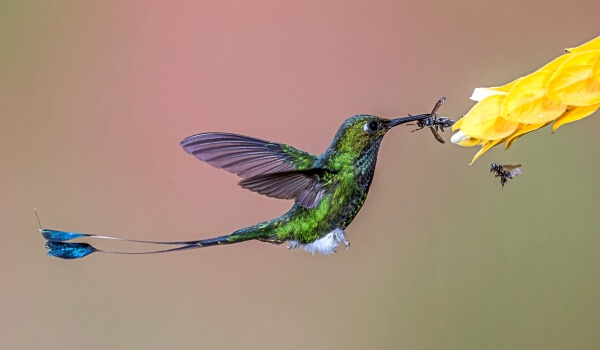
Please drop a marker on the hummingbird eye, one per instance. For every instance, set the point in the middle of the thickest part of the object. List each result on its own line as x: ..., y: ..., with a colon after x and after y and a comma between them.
x: 371, y: 126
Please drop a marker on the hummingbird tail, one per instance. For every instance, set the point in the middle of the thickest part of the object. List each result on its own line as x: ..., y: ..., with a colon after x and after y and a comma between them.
x: 70, y: 250
x: 58, y: 246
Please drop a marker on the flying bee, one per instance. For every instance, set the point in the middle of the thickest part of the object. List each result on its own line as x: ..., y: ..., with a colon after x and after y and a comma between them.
x: 434, y: 122
x: 505, y: 172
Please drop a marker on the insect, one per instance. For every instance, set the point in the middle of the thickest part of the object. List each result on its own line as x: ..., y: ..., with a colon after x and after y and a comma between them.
x: 434, y: 122
x: 505, y: 172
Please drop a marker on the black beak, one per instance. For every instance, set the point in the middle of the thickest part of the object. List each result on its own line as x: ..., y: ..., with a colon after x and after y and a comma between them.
x: 412, y: 118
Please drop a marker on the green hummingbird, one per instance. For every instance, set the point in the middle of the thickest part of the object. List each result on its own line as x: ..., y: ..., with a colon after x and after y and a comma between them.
x: 328, y: 190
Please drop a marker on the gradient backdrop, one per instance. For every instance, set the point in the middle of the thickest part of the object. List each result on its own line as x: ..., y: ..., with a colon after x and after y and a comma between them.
x: 95, y: 97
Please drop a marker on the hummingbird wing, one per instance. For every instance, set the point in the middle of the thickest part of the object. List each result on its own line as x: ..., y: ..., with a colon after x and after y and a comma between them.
x: 307, y: 186
x: 246, y: 156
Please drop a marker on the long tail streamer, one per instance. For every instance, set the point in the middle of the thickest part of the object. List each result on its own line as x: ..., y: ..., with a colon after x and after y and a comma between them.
x: 58, y: 246
x: 69, y: 250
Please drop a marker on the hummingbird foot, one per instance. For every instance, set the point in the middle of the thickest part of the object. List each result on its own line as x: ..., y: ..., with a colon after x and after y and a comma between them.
x: 341, y: 237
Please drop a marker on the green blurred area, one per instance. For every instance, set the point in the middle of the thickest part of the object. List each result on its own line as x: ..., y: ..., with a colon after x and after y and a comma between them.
x: 95, y: 98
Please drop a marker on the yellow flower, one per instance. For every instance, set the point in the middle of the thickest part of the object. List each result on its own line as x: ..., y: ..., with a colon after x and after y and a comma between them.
x: 564, y: 90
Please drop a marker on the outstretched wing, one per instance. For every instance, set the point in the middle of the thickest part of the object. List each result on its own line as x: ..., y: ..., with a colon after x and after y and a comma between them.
x: 512, y: 170
x: 246, y: 156
x: 307, y: 187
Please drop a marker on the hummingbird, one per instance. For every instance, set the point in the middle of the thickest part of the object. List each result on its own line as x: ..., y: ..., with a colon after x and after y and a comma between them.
x: 328, y: 190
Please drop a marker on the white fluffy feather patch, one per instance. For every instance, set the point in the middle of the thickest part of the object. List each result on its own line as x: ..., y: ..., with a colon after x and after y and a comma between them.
x: 325, y: 245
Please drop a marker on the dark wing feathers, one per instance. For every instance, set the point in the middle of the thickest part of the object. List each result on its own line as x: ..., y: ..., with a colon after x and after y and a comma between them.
x: 245, y: 156
x: 273, y: 169
x: 305, y: 186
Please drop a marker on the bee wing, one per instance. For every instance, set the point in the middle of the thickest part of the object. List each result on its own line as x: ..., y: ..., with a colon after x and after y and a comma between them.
x: 437, y: 136
x: 512, y: 170
x: 438, y: 105
x: 511, y: 166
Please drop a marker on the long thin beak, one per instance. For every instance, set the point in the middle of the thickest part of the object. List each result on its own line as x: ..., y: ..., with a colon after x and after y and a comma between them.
x: 398, y: 121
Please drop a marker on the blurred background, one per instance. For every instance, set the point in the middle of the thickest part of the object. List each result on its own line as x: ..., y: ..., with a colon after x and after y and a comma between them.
x: 95, y: 97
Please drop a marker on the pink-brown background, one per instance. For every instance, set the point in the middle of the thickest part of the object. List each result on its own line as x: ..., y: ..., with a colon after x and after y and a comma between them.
x: 95, y: 96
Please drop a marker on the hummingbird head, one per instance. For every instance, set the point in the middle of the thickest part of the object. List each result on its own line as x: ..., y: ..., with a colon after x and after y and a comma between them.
x: 363, y: 133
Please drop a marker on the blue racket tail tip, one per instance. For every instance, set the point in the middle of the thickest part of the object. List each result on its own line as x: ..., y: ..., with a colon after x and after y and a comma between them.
x: 60, y: 236
x: 54, y: 235
x: 65, y: 250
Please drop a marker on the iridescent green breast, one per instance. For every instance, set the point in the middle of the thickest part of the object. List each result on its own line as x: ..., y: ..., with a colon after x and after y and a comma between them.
x: 351, y: 177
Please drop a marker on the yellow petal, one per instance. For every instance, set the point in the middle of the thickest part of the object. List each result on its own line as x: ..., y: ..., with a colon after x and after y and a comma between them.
x: 574, y: 115
x: 482, y: 92
x: 596, y: 70
x: 483, y: 121
x: 484, y: 149
x: 469, y: 142
x: 505, y: 87
x: 522, y: 130
x: 457, y: 125
x: 527, y: 103
x: 593, y: 44
x: 556, y: 63
x: 573, y: 82
x: 462, y: 139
